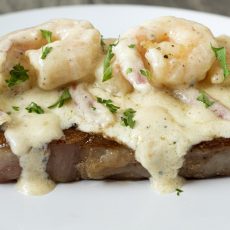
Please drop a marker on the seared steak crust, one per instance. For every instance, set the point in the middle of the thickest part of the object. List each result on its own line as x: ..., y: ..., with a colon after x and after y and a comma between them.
x: 88, y: 156
x: 79, y: 156
x: 207, y: 159
x: 83, y: 155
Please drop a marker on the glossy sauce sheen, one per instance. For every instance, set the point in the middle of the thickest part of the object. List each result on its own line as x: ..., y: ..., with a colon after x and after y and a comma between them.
x: 164, y: 131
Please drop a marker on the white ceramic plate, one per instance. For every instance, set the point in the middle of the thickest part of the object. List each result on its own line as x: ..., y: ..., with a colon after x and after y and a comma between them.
x: 96, y: 205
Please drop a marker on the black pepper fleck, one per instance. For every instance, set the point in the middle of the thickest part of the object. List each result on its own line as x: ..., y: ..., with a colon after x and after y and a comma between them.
x: 74, y: 125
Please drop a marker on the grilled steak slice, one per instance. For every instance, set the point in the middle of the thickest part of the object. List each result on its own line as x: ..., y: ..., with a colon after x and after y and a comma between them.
x: 88, y: 156
x: 207, y: 159
x: 9, y: 165
x: 79, y: 156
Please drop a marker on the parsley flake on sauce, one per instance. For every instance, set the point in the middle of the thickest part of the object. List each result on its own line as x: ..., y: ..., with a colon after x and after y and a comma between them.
x: 220, y: 54
x: 17, y: 75
x: 34, y: 108
x: 65, y: 97
x: 129, y: 70
x: 45, y: 51
x: 16, y: 108
x: 131, y: 46
x: 102, y: 43
x: 107, y: 68
x: 46, y: 34
x: 109, y: 104
x: 146, y: 73
x: 127, y: 119
x: 178, y: 191
x: 203, y: 97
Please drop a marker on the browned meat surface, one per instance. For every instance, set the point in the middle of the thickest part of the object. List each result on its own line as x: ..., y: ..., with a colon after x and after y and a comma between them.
x: 87, y: 156
x: 9, y: 166
x: 79, y: 156
x: 208, y: 159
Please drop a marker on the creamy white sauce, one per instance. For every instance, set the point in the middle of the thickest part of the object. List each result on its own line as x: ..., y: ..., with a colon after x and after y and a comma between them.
x: 34, y: 179
x: 27, y: 136
x: 165, y: 130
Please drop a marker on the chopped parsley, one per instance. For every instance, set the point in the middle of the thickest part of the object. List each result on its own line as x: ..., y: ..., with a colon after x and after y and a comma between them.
x: 103, y: 43
x: 129, y: 70
x: 203, y: 97
x: 145, y: 73
x: 132, y: 46
x: 17, y: 75
x: 65, y: 96
x: 127, y: 119
x: 221, y: 57
x: 46, y: 34
x: 109, y: 104
x: 34, y: 108
x: 107, y: 68
x: 16, y: 108
x: 45, y: 51
x: 93, y: 108
x: 178, y: 191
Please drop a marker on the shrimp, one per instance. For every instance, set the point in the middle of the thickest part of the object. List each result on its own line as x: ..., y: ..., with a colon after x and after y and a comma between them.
x: 4, y: 118
x: 189, y: 96
x: 176, y: 53
x: 75, y: 48
x: 89, y: 109
x: 216, y: 73
x: 130, y: 63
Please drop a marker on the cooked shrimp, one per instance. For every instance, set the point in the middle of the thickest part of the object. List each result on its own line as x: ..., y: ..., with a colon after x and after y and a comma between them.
x: 216, y: 73
x: 130, y: 63
x: 89, y: 109
x: 176, y: 52
x: 189, y: 96
x: 75, y: 48
x: 4, y: 118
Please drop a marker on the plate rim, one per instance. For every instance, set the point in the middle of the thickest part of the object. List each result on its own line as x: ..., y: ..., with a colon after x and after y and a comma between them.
x: 36, y: 10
